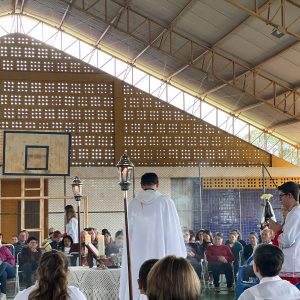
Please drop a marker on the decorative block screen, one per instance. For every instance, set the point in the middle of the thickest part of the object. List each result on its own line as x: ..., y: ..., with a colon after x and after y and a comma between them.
x: 158, y: 134
x: 44, y: 89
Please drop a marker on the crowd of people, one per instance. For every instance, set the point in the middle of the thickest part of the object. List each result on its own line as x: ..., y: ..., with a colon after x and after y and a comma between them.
x: 29, y: 255
x: 176, y: 257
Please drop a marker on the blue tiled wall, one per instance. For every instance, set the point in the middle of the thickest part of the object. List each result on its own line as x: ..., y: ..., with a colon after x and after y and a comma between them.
x: 223, y: 210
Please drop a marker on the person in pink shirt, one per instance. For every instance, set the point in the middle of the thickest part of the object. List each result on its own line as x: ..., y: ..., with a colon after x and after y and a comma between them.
x: 219, y: 258
x: 7, y: 268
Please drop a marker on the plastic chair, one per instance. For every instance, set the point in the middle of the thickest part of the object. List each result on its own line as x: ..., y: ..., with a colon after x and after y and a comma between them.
x: 241, y: 284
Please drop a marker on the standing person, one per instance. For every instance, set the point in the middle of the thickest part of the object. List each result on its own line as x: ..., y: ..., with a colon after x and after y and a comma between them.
x: 52, y: 280
x: 72, y: 223
x: 154, y: 231
x: 289, y: 239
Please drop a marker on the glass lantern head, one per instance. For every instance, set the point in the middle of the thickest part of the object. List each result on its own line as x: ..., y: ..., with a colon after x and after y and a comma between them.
x: 125, y: 168
x: 77, y: 188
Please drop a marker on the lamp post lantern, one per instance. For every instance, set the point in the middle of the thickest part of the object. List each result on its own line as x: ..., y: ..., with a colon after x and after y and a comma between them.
x: 125, y: 168
x: 77, y: 192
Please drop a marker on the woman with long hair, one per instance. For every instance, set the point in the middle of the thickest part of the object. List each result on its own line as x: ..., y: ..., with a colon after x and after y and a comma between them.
x: 52, y: 283
x: 173, y: 278
x: 72, y: 223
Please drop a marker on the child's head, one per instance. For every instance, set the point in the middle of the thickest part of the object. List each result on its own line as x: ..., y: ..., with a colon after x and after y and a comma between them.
x: 68, y: 241
x: 268, y: 260
x: 143, y: 273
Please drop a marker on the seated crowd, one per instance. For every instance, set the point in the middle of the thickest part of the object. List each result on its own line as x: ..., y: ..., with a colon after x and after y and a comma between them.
x: 27, y: 252
x: 207, y: 258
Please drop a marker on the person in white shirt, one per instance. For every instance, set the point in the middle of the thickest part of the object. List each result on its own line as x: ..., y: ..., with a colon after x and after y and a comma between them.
x: 154, y: 231
x: 52, y: 280
x: 268, y: 260
x: 72, y: 223
x: 289, y: 239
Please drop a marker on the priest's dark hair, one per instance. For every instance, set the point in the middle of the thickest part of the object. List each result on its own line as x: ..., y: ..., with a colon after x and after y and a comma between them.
x: 149, y: 179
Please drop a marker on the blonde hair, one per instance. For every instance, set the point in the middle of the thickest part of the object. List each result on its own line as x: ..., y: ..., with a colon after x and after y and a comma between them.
x: 173, y: 278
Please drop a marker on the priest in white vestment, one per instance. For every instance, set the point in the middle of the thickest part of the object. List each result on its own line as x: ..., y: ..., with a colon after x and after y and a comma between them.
x: 154, y: 231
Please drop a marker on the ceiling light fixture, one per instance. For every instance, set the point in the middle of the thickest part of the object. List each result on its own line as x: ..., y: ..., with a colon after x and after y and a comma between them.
x: 277, y: 33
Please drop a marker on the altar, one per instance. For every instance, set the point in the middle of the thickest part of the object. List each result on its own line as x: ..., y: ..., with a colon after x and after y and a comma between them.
x: 95, y: 283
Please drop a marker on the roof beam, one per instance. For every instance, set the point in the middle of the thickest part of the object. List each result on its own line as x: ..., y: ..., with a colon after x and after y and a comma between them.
x: 282, y: 124
x: 22, y: 6
x: 65, y: 14
x: 254, y: 69
x: 18, y: 6
x: 165, y: 30
x: 287, y: 93
x: 247, y: 107
x: 246, y: 84
x: 111, y: 23
x: 262, y: 8
x: 280, y: 10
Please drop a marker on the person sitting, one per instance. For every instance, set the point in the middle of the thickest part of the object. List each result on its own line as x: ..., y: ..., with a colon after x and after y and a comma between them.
x: 29, y: 259
x: 107, y: 238
x: 173, y: 278
x: 52, y: 280
x: 7, y: 268
x: 199, y: 236
x: 249, y: 248
x: 21, y: 242
x: 143, y: 275
x: 268, y: 260
x: 236, y: 249
x: 194, y: 254
x: 117, y: 245
x: 94, y: 240
x: 239, y: 237
x: 207, y: 239
x: 14, y: 239
x: 66, y: 247
x: 267, y: 235
x: 55, y: 240
x: 219, y: 258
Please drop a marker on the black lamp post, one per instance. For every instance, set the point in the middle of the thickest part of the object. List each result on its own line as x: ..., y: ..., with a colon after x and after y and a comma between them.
x: 125, y: 167
x: 77, y: 192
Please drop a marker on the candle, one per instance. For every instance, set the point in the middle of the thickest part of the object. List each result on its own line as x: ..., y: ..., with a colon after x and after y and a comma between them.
x: 101, y: 245
x: 87, y: 238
